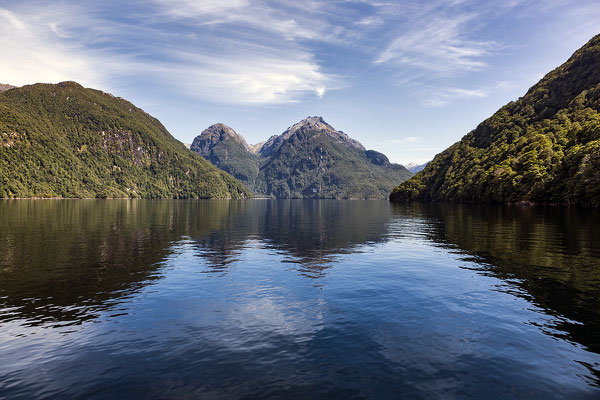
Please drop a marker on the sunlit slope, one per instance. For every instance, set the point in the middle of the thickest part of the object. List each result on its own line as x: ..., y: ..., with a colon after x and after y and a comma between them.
x: 542, y: 148
x: 64, y: 140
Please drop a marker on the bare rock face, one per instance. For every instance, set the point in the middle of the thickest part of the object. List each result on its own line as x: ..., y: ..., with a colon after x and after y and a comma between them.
x: 256, y: 147
x: 307, y: 125
x: 4, y: 87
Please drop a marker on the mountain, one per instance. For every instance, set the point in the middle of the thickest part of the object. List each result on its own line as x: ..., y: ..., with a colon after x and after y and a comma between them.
x: 310, y: 124
x: 4, y: 87
x: 64, y: 140
x: 542, y: 148
x: 227, y: 150
x: 414, y: 167
x: 309, y: 160
x: 313, y: 160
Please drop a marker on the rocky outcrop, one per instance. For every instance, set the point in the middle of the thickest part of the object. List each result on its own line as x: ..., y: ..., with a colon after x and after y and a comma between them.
x: 5, y: 87
x: 309, y: 124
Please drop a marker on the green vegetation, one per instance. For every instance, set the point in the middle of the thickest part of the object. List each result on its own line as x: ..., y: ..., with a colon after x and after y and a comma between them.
x: 309, y: 160
x: 226, y: 149
x: 67, y: 141
x: 543, y: 148
x: 310, y: 164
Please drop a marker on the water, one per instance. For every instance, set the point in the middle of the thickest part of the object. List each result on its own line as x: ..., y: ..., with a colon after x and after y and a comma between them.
x: 297, y: 299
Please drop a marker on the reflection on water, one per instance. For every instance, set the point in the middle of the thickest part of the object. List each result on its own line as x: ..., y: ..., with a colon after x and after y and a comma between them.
x: 552, y: 254
x: 348, y: 299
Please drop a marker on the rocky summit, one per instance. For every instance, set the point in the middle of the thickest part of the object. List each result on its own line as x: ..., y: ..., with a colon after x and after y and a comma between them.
x: 227, y: 150
x: 310, y: 159
x: 310, y: 124
x: 4, y: 87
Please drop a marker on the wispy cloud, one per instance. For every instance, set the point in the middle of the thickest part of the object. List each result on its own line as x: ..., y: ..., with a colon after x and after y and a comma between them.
x: 444, y: 97
x: 259, y: 51
x: 255, y: 56
x: 370, y: 21
x: 260, y: 79
x: 439, y: 46
x: 213, y: 65
x: 286, y: 19
x: 405, y: 140
x: 34, y: 50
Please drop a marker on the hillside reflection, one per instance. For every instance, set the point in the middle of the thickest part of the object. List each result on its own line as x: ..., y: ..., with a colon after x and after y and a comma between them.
x: 64, y: 262
x: 550, y: 256
x: 68, y: 260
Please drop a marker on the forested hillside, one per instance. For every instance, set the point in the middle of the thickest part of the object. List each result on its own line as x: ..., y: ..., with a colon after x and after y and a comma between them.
x: 67, y: 141
x: 542, y: 148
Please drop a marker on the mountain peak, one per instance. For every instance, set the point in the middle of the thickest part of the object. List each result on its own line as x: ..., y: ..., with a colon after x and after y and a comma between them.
x: 316, y: 123
x: 220, y: 128
x: 4, y: 87
x: 309, y: 124
x: 415, y: 167
x: 310, y: 159
x: 214, y: 134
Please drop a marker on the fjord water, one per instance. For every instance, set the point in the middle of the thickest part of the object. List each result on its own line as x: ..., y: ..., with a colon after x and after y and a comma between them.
x: 297, y: 299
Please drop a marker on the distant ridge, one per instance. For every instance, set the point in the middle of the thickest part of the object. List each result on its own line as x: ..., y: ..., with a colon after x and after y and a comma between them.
x: 542, y: 148
x: 310, y: 159
x: 414, y: 167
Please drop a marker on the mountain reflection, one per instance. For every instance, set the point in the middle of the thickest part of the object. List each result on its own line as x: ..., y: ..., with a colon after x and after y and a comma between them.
x: 310, y: 232
x: 63, y: 262
x: 68, y: 260
x: 550, y: 255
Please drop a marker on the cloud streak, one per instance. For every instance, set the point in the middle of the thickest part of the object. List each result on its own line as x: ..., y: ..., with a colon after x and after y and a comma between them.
x: 260, y: 79
x: 64, y: 44
x: 446, y: 96
x: 439, y: 46
x: 34, y: 50
x: 262, y: 52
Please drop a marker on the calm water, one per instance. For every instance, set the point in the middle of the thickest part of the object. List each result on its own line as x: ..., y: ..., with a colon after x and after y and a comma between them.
x: 297, y: 299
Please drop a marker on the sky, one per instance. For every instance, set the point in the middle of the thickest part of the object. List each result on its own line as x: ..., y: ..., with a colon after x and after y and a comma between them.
x: 406, y: 78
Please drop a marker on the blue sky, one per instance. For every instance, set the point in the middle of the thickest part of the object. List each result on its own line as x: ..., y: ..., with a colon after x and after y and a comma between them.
x: 407, y: 78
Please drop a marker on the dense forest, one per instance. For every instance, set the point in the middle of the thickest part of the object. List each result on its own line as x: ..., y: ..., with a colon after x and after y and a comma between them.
x: 542, y: 148
x: 67, y: 141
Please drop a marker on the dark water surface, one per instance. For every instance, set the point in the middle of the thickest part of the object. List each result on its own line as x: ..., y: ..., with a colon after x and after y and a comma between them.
x: 297, y: 299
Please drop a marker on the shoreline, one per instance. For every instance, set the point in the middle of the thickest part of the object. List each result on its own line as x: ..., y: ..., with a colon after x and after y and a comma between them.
x: 524, y: 204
